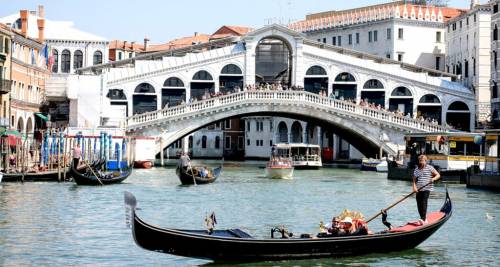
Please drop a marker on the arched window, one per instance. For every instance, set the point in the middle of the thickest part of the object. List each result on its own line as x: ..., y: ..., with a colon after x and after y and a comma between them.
x: 231, y: 69
x: 77, y: 59
x: 297, y: 132
x: 373, y: 84
x: 65, y: 61
x: 458, y: 116
x: 429, y: 99
x: 458, y: 105
x: 401, y: 91
x: 116, y: 94
x: 217, y: 142
x: 144, y: 88
x: 202, y: 76
x: 316, y: 70
x: 283, y: 132
x: 55, y: 63
x: 345, y: 77
x: 173, y: 82
x: 204, y: 141
x: 97, y: 57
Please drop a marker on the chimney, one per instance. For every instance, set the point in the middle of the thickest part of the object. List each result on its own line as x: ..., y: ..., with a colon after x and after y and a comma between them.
x: 132, y: 45
x: 195, y: 33
x: 124, y: 45
x: 24, y: 22
x: 146, y: 40
x: 41, y: 11
x: 41, y: 27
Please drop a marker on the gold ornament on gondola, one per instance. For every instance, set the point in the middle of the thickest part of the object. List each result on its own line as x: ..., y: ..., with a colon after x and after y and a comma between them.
x: 353, y: 214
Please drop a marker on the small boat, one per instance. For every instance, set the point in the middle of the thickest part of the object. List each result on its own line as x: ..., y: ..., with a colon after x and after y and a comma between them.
x: 237, y: 245
x: 303, y: 156
x: 382, y: 166
x: 143, y: 164
x: 188, y: 177
x: 87, y: 177
x: 279, y: 168
x: 44, y: 176
x: 370, y: 164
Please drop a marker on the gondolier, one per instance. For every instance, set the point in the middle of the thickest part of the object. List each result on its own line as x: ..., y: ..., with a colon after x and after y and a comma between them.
x: 77, y: 154
x: 184, y: 161
x: 424, y: 177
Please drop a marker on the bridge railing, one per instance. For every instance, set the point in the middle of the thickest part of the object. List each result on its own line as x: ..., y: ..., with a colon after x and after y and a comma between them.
x: 282, y: 96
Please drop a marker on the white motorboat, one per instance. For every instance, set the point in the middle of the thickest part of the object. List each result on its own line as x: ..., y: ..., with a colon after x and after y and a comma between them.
x: 382, y: 166
x: 279, y: 168
x: 302, y: 156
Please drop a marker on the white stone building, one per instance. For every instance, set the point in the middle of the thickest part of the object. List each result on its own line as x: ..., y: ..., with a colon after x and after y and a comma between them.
x: 398, y: 30
x: 468, y: 45
x: 495, y: 68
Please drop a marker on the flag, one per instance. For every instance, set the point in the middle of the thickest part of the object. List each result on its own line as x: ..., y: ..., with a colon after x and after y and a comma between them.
x: 46, y: 54
x: 33, y: 60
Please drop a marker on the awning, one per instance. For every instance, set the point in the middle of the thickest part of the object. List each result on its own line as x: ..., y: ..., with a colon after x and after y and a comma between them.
x: 43, y: 117
x: 11, y: 136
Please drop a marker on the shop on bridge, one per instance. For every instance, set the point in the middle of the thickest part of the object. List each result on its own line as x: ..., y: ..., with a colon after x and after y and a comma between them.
x: 201, y: 84
x: 458, y: 116
x: 401, y: 100
x: 230, y: 78
x: 173, y: 92
x: 429, y: 107
x: 316, y: 80
x: 144, y: 99
x: 345, y: 87
x: 373, y: 92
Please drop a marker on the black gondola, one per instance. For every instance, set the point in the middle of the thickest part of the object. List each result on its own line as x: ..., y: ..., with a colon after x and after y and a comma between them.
x: 236, y: 245
x: 45, y: 176
x: 88, y: 178
x: 188, y: 178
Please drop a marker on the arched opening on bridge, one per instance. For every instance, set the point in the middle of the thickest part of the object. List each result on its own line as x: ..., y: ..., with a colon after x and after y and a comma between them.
x: 202, y: 85
x: 173, y: 92
x: 144, y: 99
x: 429, y: 107
x: 458, y: 116
x: 231, y: 77
x: 282, y: 132
x: 316, y: 80
x: 345, y: 87
x: 20, y: 125
x: 401, y: 100
x: 373, y: 92
x: 118, y: 102
x: 297, y: 132
x: 273, y: 61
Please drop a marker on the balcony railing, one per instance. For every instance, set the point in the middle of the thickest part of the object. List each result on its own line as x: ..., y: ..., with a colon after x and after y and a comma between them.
x: 5, y: 86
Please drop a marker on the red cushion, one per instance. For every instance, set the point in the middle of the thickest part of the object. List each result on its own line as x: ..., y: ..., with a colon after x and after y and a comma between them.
x: 431, y: 218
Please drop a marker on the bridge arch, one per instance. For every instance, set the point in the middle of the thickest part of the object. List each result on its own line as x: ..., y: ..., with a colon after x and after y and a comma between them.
x: 430, y: 108
x: 144, y: 98
x: 282, y: 132
x: 274, y: 60
x: 458, y: 115
x: 316, y: 80
x: 297, y: 133
x: 202, y: 83
x: 230, y: 78
x: 173, y: 92
x: 373, y: 91
x: 345, y: 86
x: 401, y: 99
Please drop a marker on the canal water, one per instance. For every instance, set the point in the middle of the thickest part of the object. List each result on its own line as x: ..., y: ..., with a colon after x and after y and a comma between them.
x: 57, y: 224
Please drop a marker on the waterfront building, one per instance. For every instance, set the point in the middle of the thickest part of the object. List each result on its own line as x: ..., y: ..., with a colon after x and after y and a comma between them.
x: 5, y: 75
x: 70, y: 49
x: 495, y: 68
x: 468, y: 45
x: 401, y: 30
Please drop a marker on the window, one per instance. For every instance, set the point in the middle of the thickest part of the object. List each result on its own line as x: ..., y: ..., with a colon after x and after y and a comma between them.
x: 130, y: 55
x: 494, y: 90
x: 65, y: 61
x: 231, y: 69
x: 400, y: 57
x: 474, y: 66
x: 256, y: 142
x: 375, y: 36
x: 370, y: 36
x: 217, y: 142
x: 227, y: 145
x: 467, y: 21
x: 388, y: 55
x: 227, y: 124
x: 6, y: 46
x: 248, y: 126
x: 270, y: 142
x: 248, y: 142
x: 271, y: 126
x: 495, y: 33
x: 202, y: 75
x: 319, y: 40
x: 204, y: 141
x: 324, y: 40
x: 240, y: 142
x: 340, y: 40
x: 389, y: 33
x: 334, y: 40
x: 438, y: 63
x: 357, y: 38
x: 438, y: 37
x: 495, y: 59
x: 495, y: 8
x: 119, y: 55
x: 460, y: 24
x: 466, y: 69
x: 350, y: 39
x: 78, y: 59
x: 97, y: 57
x: 55, y: 64
x: 400, y: 33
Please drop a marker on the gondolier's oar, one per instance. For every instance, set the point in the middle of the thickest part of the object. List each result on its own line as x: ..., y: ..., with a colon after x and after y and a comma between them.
x: 397, y: 202
x: 192, y: 174
x: 93, y: 173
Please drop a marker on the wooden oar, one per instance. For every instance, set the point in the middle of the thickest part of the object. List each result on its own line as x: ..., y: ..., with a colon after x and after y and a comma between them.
x: 397, y: 202
x: 192, y: 174
x: 88, y: 166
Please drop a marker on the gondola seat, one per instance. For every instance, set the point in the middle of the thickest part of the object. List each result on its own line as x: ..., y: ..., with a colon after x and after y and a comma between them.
x: 431, y: 218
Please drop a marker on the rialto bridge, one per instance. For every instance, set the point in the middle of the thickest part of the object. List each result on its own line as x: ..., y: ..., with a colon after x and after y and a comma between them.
x: 156, y: 91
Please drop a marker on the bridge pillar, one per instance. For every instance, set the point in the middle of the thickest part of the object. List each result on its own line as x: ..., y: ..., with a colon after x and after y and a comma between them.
x: 304, y: 133
x: 318, y: 135
x: 185, y: 144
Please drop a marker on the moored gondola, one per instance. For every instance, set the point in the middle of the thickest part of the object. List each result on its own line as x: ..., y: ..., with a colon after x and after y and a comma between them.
x: 88, y: 177
x: 236, y: 245
x: 192, y: 175
x: 46, y: 176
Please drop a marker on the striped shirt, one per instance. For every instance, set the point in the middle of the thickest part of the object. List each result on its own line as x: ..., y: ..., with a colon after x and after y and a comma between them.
x: 424, y: 176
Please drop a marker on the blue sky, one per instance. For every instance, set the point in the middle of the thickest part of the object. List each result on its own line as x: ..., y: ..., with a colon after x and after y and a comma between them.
x: 161, y: 21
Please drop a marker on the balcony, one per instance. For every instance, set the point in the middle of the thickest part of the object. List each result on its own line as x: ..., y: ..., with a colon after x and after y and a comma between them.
x: 5, y: 86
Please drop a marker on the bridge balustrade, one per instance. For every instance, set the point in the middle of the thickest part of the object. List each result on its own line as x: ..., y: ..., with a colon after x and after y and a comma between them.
x: 282, y: 96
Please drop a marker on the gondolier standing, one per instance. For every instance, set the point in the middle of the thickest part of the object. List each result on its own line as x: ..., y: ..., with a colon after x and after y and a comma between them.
x: 424, y: 175
x: 77, y: 154
x: 185, y: 161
